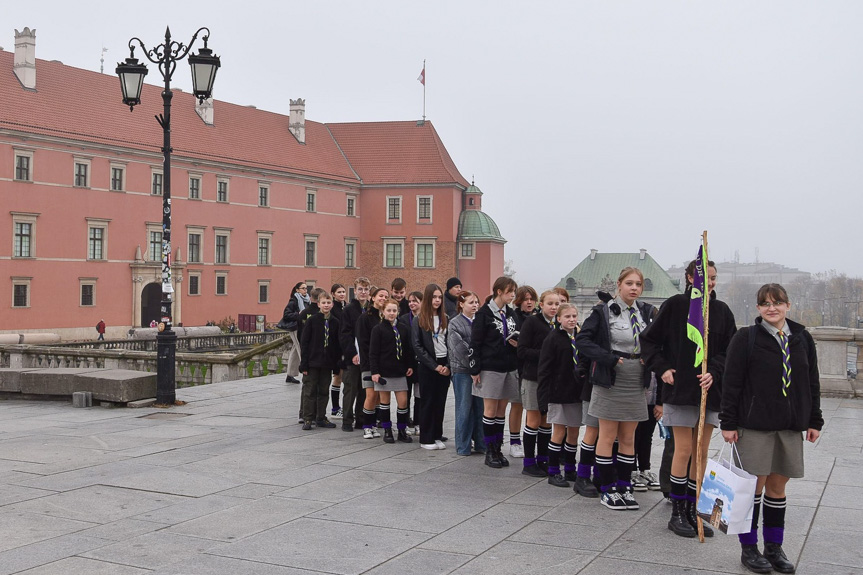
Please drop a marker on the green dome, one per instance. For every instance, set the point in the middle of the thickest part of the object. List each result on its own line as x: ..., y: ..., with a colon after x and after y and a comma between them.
x: 475, y: 225
x: 472, y: 189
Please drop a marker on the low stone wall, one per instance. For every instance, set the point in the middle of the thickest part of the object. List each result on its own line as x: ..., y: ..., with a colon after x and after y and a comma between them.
x: 114, y: 385
x: 832, y: 345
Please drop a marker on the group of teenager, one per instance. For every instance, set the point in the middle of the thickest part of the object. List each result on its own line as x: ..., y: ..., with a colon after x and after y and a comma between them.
x: 628, y: 366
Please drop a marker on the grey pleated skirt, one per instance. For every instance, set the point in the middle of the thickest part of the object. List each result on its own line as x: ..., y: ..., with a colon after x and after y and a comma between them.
x: 625, y: 400
x: 393, y: 384
x: 497, y: 385
x: 586, y: 418
x: 686, y: 416
x: 568, y: 414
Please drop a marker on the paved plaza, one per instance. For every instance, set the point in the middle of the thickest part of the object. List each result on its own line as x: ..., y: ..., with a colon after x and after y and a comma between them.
x: 230, y: 484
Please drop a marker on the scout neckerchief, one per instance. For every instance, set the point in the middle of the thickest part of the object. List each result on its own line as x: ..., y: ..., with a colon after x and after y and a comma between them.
x: 786, y: 363
x: 636, y: 327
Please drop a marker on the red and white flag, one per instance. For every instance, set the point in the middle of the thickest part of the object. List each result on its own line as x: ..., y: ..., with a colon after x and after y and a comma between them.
x: 422, y: 77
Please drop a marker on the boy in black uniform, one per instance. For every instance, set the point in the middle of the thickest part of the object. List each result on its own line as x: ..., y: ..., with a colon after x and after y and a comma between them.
x: 321, y: 354
x: 352, y: 399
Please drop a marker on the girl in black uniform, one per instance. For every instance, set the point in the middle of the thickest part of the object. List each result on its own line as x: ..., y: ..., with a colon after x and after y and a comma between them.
x: 771, y: 400
x: 391, y: 361
x: 428, y: 338
x: 524, y: 307
x: 339, y: 294
x: 370, y: 318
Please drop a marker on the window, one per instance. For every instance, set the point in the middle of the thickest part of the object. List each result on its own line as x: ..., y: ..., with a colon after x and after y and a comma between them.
x: 424, y: 209
x: 350, y: 253
x: 221, y: 249
x: 155, y: 252
x: 311, y: 251
x: 194, y: 253
x: 263, y: 195
x: 222, y: 191
x: 263, y: 292
x: 88, y: 291
x: 221, y: 283
x: 23, y: 162
x: 157, y: 180
x: 23, y: 243
x: 21, y: 292
x: 394, y: 208
x: 424, y: 256
x: 82, y: 173
x: 194, y: 283
x: 263, y: 251
x: 394, y: 253
x: 96, y: 242
x: 467, y: 251
x: 194, y: 187
x: 118, y: 177
x: 311, y: 200
x: 352, y: 202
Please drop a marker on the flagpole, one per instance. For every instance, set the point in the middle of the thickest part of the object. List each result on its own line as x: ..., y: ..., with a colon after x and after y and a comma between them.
x: 424, y: 90
x: 699, y: 475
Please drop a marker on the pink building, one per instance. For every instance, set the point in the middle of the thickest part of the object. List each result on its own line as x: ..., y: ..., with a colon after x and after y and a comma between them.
x: 260, y: 201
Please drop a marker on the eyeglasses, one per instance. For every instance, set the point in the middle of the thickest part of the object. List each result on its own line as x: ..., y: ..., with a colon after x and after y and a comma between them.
x: 769, y: 304
x: 303, y: 287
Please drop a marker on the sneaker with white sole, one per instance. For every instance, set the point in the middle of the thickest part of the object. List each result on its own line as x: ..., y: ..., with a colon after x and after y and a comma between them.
x: 375, y: 432
x: 639, y: 482
x: 428, y: 446
x: 367, y: 433
x: 338, y: 414
x: 516, y: 450
x: 652, y: 480
x: 612, y: 500
x: 628, y: 500
x: 440, y: 444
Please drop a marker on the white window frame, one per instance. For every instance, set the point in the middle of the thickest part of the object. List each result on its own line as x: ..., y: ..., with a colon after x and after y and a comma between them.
x: 398, y: 220
x: 310, y: 238
x: 200, y: 179
x: 116, y: 166
x: 161, y: 174
x: 19, y: 153
x: 461, y: 255
x: 195, y: 231
x: 223, y: 180
x: 429, y: 219
x: 266, y: 284
x: 157, y: 228
x: 351, y: 242
x: 351, y: 206
x: 221, y: 274
x: 222, y: 232
x: 425, y: 241
x: 89, y: 175
x: 102, y: 224
x: 197, y: 275
x: 25, y: 281
x: 265, y: 235
x: 311, y: 198
x: 86, y: 282
x: 394, y: 241
x: 264, y: 186
x: 25, y: 218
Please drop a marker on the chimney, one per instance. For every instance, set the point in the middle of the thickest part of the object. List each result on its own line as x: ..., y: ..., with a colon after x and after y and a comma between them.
x: 593, y: 253
x: 25, y: 58
x: 205, y: 110
x: 641, y: 253
x: 298, y: 120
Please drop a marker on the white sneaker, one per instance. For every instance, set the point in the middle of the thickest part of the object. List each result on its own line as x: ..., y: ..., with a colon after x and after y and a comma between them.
x: 367, y: 433
x: 336, y: 414
x: 516, y: 450
x: 439, y: 444
x: 651, y: 479
x: 428, y: 446
x: 375, y: 432
x: 639, y: 482
x: 417, y: 430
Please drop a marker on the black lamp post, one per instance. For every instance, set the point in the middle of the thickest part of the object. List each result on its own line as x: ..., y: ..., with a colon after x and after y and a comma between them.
x: 204, y: 67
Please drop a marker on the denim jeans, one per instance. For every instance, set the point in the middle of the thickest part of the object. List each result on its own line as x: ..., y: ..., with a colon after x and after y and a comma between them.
x: 468, y: 415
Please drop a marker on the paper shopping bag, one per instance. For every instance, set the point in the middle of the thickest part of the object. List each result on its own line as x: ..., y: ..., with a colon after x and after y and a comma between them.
x: 727, y: 493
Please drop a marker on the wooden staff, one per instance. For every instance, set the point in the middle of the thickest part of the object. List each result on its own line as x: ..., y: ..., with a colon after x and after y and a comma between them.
x: 699, y: 473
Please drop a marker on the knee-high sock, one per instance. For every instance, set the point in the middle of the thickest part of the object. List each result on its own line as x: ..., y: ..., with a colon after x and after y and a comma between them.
x: 368, y: 418
x: 614, y: 450
x: 378, y: 413
x: 586, y: 459
x: 402, y: 418
x: 773, y: 526
x: 530, y: 434
x: 489, y: 429
x: 678, y: 488
x: 334, y: 397
x: 625, y: 467
x: 554, y: 458
x: 569, y: 451
x: 500, y: 425
x: 751, y: 538
x: 542, y: 444
x: 515, y: 438
x: 384, y: 413
x: 606, y: 472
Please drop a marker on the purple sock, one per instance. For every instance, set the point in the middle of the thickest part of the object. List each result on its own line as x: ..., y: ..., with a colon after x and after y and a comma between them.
x: 583, y: 470
x: 772, y: 534
x: 750, y: 538
x: 542, y: 459
x: 529, y: 461
x: 568, y: 467
x: 553, y: 470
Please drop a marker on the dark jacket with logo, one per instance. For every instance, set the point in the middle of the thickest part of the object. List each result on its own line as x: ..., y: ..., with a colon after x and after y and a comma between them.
x: 384, y: 358
x: 752, y: 388
x: 560, y: 381
x: 489, y: 351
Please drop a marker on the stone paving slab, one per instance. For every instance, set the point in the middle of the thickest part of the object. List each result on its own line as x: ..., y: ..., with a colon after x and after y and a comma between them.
x: 237, y: 487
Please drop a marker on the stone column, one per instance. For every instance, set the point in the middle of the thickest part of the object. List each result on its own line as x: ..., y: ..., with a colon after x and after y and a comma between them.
x: 832, y: 345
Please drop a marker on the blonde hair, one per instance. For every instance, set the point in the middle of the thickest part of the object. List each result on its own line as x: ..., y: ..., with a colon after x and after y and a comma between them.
x: 565, y: 306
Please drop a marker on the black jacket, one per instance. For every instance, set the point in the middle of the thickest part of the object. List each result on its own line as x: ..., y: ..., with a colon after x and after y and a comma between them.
x: 338, y: 309
x: 304, y: 316
x: 291, y: 314
x: 350, y: 315
x: 594, y: 343
x: 363, y: 331
x: 408, y: 320
x: 533, y: 332
x: 559, y: 380
x: 752, y: 389
x: 521, y: 317
x: 450, y: 305
x: 404, y: 307
x: 314, y: 353
x: 665, y: 345
x: 488, y: 349
x: 422, y: 343
x: 383, y: 359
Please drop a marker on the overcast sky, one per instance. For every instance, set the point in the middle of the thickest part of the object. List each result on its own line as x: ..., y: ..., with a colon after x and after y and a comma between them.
x: 607, y: 125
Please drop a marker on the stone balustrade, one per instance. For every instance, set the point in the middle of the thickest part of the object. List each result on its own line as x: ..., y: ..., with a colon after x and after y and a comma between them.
x: 832, y: 344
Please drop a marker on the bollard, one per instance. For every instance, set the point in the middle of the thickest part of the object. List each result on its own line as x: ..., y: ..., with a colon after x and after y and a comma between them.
x: 82, y: 399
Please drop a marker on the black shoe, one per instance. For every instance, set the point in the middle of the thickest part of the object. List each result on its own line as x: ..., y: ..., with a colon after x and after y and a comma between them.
x: 325, y: 423
x: 533, y: 471
x: 404, y: 437
x: 504, y: 462
x: 678, y: 523
x: 692, y: 519
x: 388, y: 435
x: 584, y: 487
x: 348, y: 427
x: 776, y: 556
x: 358, y: 425
x: 753, y: 560
x: 544, y: 466
x: 491, y: 458
x: 307, y: 425
x: 570, y: 475
x: 291, y: 379
x: 442, y: 438
x: 558, y: 480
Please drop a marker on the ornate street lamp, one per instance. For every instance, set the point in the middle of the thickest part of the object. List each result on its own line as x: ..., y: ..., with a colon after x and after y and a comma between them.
x: 204, y: 67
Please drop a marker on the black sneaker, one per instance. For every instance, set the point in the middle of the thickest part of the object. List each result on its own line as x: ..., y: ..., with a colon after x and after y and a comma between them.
x: 558, y: 480
x: 533, y: 471
x: 325, y: 423
x: 628, y: 499
x: 307, y: 425
x: 347, y: 427
x: 584, y: 487
x: 612, y: 500
x: 291, y: 379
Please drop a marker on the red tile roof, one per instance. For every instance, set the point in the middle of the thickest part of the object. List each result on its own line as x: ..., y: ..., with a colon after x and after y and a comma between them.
x: 397, y: 152
x: 86, y: 106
